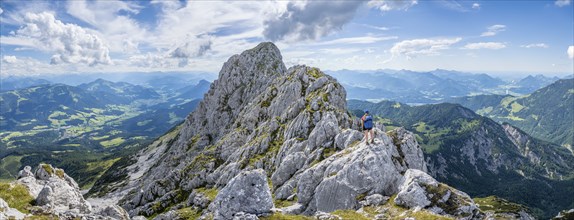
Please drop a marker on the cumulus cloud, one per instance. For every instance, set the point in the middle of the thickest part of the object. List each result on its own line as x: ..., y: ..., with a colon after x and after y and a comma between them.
x: 192, y: 47
x: 10, y: 59
x: 538, y: 45
x: 388, y: 5
x: 570, y: 52
x: 562, y: 3
x: 485, y: 45
x: 70, y: 43
x: 112, y: 19
x: 309, y: 21
x: 493, y: 30
x: 475, y: 6
x: 413, y: 48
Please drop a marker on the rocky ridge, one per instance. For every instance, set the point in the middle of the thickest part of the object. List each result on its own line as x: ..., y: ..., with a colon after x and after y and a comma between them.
x: 54, y: 194
x: 283, y: 139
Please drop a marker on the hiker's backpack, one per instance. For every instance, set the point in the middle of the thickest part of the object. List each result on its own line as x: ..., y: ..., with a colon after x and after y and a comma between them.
x: 368, y: 123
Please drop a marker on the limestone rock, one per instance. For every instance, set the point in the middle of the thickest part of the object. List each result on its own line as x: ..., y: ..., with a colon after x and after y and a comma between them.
x: 363, y: 170
x: 244, y: 216
x: 9, y: 213
x: 26, y: 172
x: 374, y: 200
x: 247, y: 192
x: 114, y: 212
x: 55, y: 192
x: 326, y: 216
x: 420, y: 190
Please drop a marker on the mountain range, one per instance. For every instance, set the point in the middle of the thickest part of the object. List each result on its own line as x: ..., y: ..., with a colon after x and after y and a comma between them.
x: 547, y: 113
x: 264, y: 141
x: 430, y: 87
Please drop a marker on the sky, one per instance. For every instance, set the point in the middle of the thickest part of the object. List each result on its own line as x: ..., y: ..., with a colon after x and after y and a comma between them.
x: 77, y: 36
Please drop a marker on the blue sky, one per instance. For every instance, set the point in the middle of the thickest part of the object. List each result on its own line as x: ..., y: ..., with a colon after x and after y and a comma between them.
x: 55, y: 37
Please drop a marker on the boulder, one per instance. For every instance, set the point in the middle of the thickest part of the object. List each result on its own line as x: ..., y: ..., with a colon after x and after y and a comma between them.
x: 248, y: 192
x: 114, y: 212
x: 420, y: 190
x: 374, y: 200
x: 26, y: 172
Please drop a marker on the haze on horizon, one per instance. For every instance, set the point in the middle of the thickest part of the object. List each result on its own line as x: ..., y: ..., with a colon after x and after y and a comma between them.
x: 494, y: 37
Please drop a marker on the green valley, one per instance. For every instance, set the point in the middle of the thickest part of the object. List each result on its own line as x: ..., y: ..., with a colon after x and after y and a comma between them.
x: 547, y: 113
x: 84, y: 129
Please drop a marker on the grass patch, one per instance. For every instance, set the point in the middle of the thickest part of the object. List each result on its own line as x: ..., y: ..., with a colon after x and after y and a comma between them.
x: 210, y: 193
x: 17, y: 196
x: 282, y: 203
x: 280, y: 216
x: 113, y: 142
x: 189, y: 213
x: 498, y: 205
x: 349, y: 215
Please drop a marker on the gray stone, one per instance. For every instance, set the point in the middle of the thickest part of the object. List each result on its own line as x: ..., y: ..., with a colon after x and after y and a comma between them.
x: 420, y: 190
x: 114, y: 212
x: 374, y: 200
x: 26, y: 172
x: 247, y: 192
x: 9, y: 213
x: 347, y: 137
x: 326, y: 216
x: 244, y: 216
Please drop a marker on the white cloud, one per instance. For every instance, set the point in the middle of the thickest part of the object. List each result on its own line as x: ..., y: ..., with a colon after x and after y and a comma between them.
x: 538, y: 45
x: 388, y: 5
x: 493, y: 30
x: 309, y: 20
x: 1, y: 11
x: 10, y: 59
x: 357, y: 40
x: 570, y: 52
x: 376, y: 27
x: 485, y: 45
x: 561, y: 3
x: 475, y: 6
x: 412, y: 48
x: 112, y: 19
x: 70, y: 43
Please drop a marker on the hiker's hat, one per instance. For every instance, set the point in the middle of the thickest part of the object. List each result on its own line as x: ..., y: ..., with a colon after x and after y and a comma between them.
x: 367, y: 111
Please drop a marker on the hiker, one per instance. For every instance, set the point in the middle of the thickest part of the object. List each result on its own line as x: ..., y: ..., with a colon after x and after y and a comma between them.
x: 367, y: 124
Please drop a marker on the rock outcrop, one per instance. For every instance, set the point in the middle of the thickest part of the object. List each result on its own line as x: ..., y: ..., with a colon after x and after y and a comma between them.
x: 247, y: 193
x: 9, y: 213
x: 57, y: 194
x: 420, y: 190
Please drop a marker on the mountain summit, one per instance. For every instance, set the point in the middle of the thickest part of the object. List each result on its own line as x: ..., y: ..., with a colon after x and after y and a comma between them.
x: 265, y: 141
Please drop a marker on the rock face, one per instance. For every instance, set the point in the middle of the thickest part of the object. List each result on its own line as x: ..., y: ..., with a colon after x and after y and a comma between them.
x: 247, y: 193
x: 265, y: 130
x: 58, y: 194
x: 420, y: 190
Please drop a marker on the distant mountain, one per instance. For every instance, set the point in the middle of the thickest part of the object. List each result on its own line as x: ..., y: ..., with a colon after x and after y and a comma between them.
x: 482, y: 157
x: 40, y: 105
x: 531, y: 83
x: 547, y: 113
x: 118, y: 92
x: 415, y: 87
x: 12, y: 83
